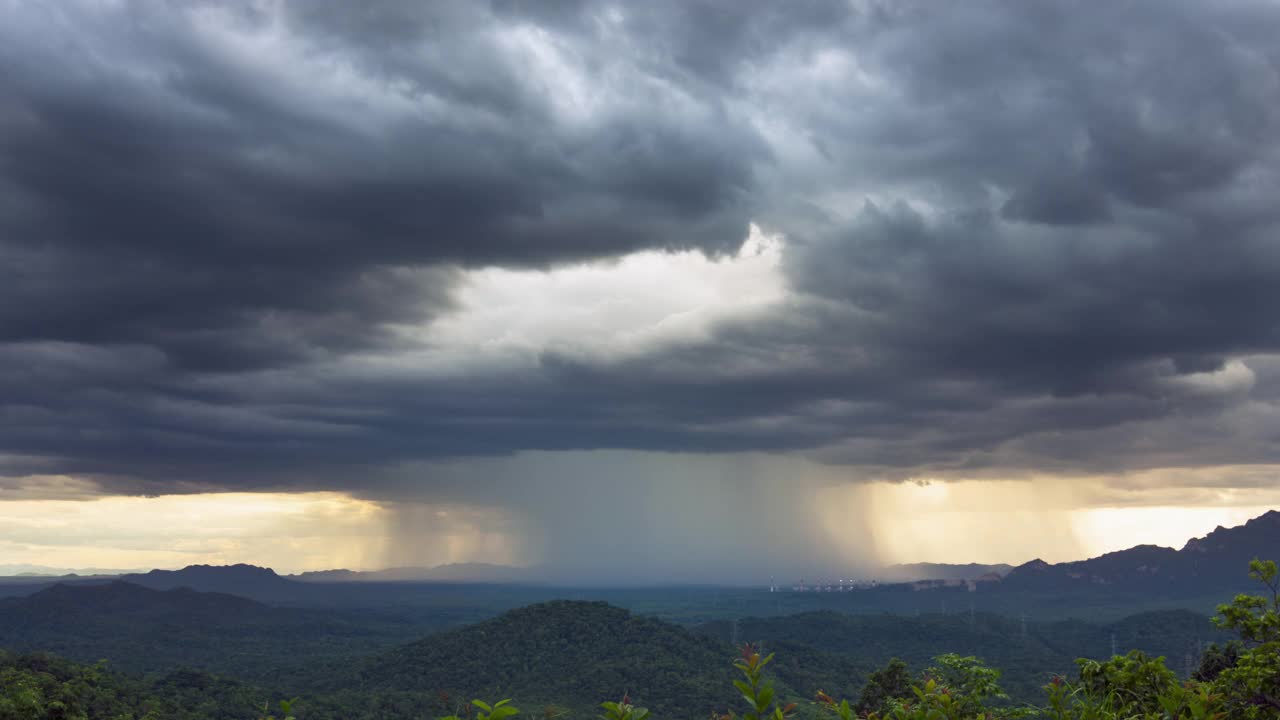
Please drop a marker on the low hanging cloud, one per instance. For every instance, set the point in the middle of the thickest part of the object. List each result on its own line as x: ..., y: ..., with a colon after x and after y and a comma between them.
x: 288, y: 245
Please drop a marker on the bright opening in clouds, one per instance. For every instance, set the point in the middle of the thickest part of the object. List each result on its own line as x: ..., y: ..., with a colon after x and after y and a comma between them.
x: 610, y: 309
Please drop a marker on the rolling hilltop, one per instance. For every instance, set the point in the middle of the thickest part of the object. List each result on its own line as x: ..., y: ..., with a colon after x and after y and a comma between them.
x: 561, y: 652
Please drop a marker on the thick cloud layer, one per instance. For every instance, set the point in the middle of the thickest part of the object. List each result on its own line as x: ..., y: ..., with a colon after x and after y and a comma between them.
x: 1016, y: 236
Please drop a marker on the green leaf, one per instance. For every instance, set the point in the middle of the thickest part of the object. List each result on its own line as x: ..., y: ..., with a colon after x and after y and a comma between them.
x: 765, y: 697
x: 502, y: 712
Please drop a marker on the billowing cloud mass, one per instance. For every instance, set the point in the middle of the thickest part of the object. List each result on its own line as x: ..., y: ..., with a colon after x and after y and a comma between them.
x: 477, y: 254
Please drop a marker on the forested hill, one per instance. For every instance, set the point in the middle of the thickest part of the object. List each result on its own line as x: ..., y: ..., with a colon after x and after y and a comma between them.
x: 568, y: 653
x: 559, y: 652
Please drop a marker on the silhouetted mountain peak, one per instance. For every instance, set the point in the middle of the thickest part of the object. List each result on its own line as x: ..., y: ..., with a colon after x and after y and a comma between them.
x: 239, y: 570
x: 252, y: 581
x: 1269, y: 519
x: 1259, y: 532
x: 1220, y: 556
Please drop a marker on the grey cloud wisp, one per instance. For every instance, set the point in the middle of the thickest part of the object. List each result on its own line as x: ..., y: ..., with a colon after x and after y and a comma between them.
x: 1018, y: 235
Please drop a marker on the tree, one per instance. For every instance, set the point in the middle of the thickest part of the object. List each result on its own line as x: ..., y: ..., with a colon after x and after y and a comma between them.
x: 955, y: 688
x: 1215, y: 659
x: 892, y: 682
x: 970, y: 682
x: 1128, y: 684
x: 1252, y: 686
x: 1256, y: 618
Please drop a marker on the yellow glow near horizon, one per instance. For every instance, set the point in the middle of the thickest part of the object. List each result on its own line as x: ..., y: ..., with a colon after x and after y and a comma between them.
x: 287, y: 531
x: 1054, y: 519
x: 1104, y: 530
x: 970, y: 521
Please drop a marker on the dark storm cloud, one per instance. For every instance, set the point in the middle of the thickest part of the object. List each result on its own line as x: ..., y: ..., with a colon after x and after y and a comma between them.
x: 169, y: 192
x: 1021, y: 235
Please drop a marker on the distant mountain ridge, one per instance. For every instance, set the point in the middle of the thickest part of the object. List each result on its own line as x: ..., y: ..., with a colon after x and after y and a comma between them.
x: 1222, y: 556
x: 1219, y: 558
x: 259, y: 583
x: 27, y: 570
x: 468, y: 572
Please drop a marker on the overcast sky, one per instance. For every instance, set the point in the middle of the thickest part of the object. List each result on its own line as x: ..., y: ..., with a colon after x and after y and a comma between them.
x: 639, y: 288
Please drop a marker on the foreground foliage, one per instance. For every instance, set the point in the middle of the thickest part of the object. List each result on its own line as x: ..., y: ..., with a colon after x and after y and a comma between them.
x: 1240, y: 679
x: 44, y: 687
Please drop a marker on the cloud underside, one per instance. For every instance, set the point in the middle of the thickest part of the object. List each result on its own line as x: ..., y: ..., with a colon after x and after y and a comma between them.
x: 310, y: 245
